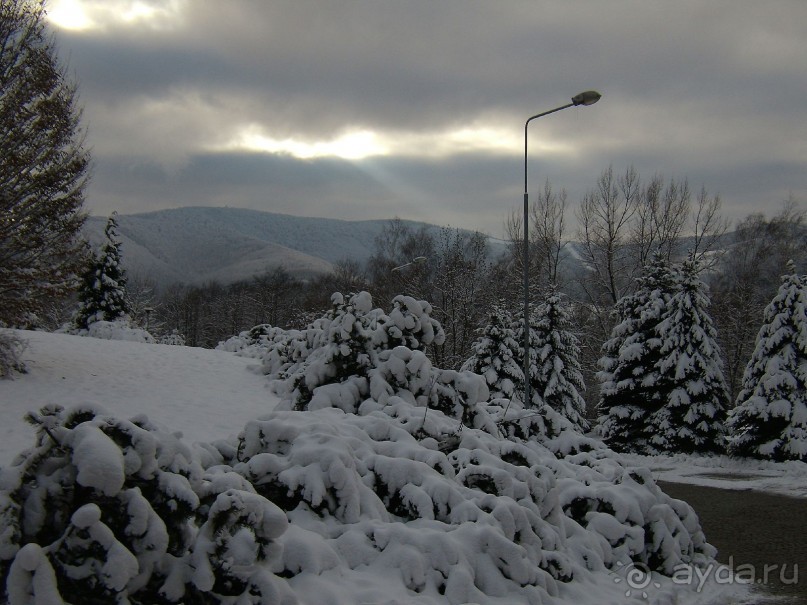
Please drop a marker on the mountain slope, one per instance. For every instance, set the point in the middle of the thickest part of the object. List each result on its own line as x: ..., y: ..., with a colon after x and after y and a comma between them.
x: 194, y: 245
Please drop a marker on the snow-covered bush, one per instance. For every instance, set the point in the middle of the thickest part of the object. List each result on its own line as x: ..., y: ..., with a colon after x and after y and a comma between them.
x: 343, y: 347
x: 391, y: 467
x: 115, y: 511
x: 406, y: 475
x: 770, y: 420
x: 11, y: 348
x: 120, y: 329
x: 173, y: 338
x: 254, y: 342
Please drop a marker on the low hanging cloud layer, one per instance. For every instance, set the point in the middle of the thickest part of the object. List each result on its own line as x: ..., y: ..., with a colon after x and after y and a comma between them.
x: 377, y: 108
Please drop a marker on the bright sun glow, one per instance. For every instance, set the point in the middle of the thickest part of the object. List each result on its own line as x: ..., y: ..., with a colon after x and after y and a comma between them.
x: 361, y: 144
x: 101, y: 14
x: 351, y: 146
x: 68, y: 14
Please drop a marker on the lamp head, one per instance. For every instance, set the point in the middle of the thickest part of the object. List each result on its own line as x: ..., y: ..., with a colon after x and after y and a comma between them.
x: 588, y: 97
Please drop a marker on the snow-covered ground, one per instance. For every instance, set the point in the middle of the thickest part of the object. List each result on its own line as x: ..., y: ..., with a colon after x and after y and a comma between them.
x: 784, y: 478
x: 202, y: 393
x: 210, y: 395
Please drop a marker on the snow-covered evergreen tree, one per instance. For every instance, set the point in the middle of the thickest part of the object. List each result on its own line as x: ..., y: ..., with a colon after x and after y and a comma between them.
x: 691, y: 386
x: 537, y: 418
x: 629, y: 376
x: 347, y: 343
x: 495, y: 355
x: 102, y: 296
x: 770, y: 420
x: 558, y: 380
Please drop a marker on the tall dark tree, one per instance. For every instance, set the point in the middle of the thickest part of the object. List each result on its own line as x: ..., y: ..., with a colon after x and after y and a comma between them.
x: 629, y: 378
x: 770, y: 420
x: 693, y: 390
x: 103, y: 293
x: 43, y: 167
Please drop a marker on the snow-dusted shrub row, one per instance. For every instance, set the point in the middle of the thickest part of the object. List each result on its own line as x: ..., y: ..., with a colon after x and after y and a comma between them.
x: 376, y: 474
x: 397, y: 468
x: 123, y: 329
x: 254, y: 342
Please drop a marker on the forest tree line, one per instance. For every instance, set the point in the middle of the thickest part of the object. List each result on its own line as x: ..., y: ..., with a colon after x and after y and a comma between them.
x: 620, y: 224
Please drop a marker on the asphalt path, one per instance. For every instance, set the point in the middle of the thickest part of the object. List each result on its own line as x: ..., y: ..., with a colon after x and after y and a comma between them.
x: 761, y: 535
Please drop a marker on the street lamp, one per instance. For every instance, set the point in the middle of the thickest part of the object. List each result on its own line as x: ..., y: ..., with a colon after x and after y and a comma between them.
x: 588, y: 97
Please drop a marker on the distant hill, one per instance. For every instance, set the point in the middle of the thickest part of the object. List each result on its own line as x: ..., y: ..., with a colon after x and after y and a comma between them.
x: 196, y: 245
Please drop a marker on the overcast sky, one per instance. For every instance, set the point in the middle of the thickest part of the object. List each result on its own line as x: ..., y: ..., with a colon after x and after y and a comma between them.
x: 366, y: 109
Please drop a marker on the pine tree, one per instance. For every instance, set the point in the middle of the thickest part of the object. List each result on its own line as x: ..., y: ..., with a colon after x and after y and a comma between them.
x: 536, y: 419
x: 345, y: 344
x: 103, y: 293
x: 558, y: 379
x: 495, y: 355
x: 43, y: 168
x: 629, y: 377
x: 691, y: 385
x: 770, y: 420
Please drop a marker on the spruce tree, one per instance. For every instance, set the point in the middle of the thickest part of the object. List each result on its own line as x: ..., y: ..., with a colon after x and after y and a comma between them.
x: 691, y: 386
x: 103, y: 293
x: 770, y: 420
x: 629, y: 376
x: 558, y: 380
x: 43, y: 168
x: 495, y: 355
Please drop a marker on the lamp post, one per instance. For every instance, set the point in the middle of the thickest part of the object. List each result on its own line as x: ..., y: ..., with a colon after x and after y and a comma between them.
x: 588, y: 97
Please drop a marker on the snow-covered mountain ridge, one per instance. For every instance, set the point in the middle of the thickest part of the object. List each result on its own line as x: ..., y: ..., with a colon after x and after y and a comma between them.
x: 196, y: 245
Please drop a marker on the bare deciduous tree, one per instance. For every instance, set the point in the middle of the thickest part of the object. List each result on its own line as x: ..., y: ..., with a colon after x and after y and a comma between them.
x: 747, y: 277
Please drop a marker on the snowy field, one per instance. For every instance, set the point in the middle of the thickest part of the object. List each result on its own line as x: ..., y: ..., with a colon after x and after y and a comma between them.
x: 202, y: 393
x: 209, y: 395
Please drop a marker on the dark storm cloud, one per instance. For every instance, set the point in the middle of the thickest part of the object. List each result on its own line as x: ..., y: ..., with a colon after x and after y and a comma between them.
x: 712, y: 92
